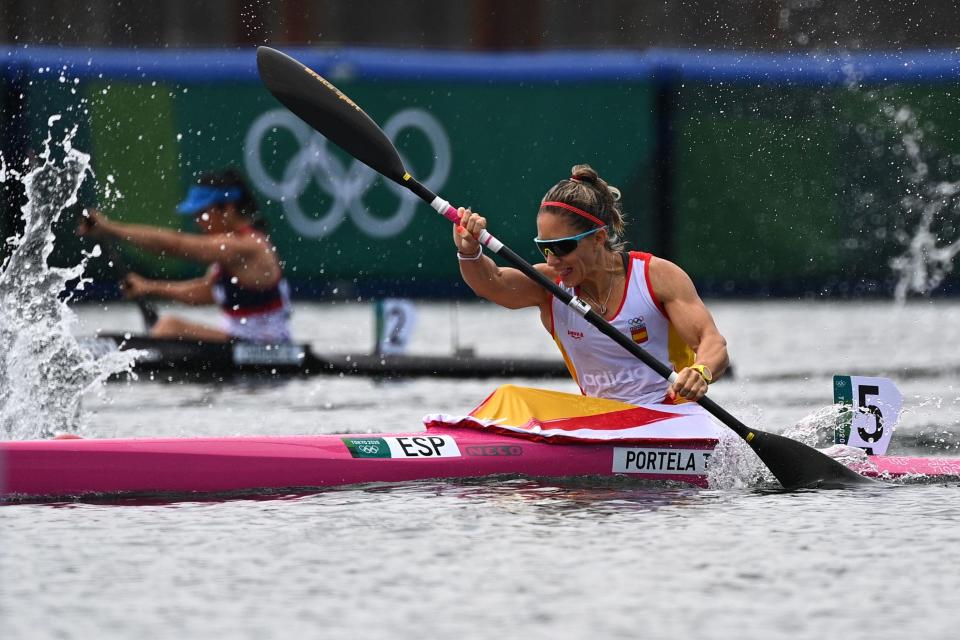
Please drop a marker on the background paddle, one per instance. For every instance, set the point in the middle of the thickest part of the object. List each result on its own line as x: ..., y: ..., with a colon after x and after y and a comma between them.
x: 325, y: 108
x: 147, y: 309
x: 121, y: 270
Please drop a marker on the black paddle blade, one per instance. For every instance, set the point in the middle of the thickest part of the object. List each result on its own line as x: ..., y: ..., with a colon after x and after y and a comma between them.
x: 797, y: 466
x: 325, y: 108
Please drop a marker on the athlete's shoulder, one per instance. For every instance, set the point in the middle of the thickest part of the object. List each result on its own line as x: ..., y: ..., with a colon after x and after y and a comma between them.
x: 661, y: 267
x: 667, y: 279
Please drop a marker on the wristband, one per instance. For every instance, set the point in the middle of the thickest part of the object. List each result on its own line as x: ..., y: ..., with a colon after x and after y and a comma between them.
x: 463, y: 258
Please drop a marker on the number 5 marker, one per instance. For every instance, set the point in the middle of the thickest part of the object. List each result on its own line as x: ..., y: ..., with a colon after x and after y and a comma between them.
x: 871, y: 410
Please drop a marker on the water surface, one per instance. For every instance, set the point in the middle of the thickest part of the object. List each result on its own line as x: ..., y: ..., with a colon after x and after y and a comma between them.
x: 511, y: 557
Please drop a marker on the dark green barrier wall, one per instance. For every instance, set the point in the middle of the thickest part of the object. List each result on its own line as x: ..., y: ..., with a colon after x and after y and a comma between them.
x: 757, y: 174
x: 495, y: 148
x: 801, y: 189
x: 756, y: 200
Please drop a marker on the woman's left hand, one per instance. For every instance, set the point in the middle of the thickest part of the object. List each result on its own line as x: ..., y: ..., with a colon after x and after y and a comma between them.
x: 93, y: 224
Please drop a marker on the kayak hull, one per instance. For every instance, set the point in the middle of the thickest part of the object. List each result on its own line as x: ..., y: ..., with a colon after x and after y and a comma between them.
x: 78, y: 467
x: 50, y: 469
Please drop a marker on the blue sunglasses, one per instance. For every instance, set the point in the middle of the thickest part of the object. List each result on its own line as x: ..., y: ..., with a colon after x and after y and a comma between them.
x: 560, y: 247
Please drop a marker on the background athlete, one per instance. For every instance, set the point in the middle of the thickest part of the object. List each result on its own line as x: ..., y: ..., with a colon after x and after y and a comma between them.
x: 245, y: 277
x: 649, y: 299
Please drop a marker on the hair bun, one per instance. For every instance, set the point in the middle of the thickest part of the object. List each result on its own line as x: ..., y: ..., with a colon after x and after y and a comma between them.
x: 584, y: 173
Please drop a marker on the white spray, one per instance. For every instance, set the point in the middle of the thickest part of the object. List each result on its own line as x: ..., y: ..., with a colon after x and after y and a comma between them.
x: 43, y: 370
x: 928, y: 256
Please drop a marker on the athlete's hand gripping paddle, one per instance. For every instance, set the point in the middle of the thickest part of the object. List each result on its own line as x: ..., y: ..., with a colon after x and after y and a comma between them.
x: 325, y: 108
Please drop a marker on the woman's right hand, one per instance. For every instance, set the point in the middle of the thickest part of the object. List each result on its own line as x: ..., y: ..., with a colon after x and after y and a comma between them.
x: 465, y: 234
x: 135, y: 286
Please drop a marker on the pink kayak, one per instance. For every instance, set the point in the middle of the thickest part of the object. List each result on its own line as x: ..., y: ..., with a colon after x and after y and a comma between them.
x: 48, y: 469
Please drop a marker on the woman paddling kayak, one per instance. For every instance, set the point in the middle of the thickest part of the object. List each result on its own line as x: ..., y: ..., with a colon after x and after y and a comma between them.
x: 245, y: 277
x: 650, y: 299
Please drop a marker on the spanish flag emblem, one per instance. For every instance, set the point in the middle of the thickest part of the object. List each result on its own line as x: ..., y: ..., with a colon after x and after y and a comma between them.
x: 638, y: 330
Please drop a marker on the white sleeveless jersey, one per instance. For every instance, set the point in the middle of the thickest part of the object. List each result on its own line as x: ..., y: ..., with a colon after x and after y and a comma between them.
x: 604, y: 369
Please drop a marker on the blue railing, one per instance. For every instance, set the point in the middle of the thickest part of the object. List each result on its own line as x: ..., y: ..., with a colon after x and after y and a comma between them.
x: 212, y: 65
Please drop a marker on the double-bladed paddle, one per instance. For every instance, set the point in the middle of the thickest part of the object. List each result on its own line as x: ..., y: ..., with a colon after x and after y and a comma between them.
x: 325, y: 108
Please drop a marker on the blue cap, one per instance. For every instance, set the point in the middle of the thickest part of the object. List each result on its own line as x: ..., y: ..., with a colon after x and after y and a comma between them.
x: 202, y: 196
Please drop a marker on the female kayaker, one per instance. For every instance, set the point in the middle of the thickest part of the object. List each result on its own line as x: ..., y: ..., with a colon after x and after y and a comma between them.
x: 650, y: 299
x: 244, y: 277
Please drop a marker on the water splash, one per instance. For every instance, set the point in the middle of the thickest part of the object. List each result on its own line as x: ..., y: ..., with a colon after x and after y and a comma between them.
x: 817, y: 429
x: 927, y: 224
x: 734, y: 465
x: 929, y: 250
x: 43, y: 370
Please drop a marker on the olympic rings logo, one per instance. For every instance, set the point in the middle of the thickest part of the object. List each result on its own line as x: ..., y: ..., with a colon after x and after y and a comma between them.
x: 368, y: 448
x: 346, y: 185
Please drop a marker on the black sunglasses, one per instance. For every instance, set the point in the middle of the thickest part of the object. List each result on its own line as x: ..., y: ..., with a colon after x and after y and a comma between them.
x: 560, y: 247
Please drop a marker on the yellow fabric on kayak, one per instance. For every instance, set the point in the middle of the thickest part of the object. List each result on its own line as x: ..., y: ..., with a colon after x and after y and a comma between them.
x: 554, y: 416
x: 515, y: 405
